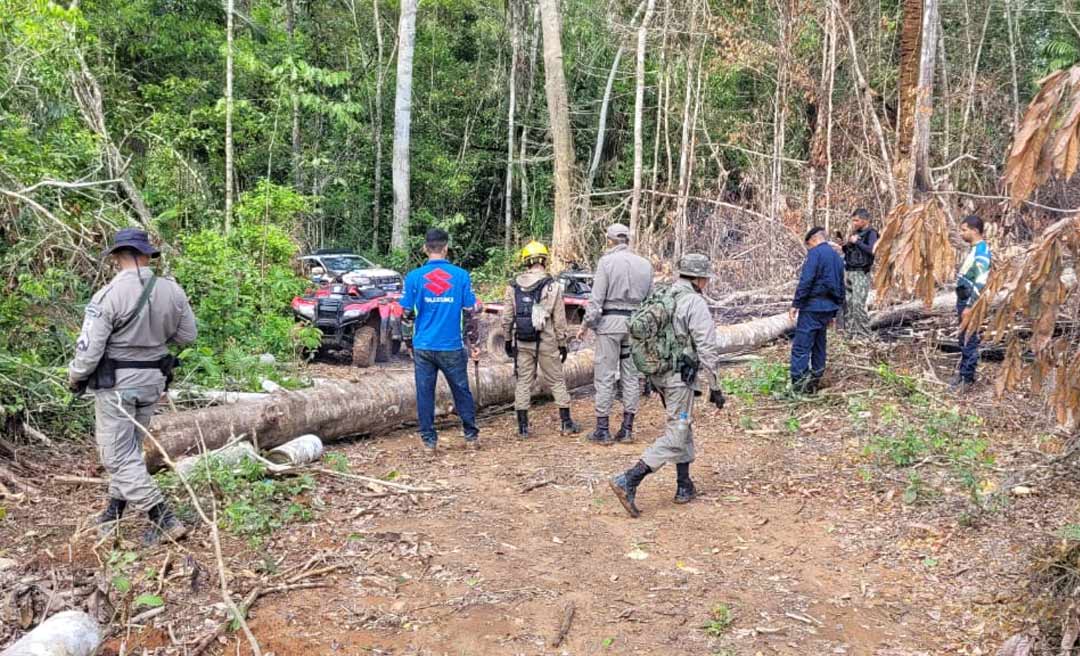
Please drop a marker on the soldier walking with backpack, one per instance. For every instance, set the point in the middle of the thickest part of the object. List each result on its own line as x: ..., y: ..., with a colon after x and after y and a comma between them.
x: 122, y: 357
x: 673, y: 341
x: 534, y: 323
x: 622, y: 280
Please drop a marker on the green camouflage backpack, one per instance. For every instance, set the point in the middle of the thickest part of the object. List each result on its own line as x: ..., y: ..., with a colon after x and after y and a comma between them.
x: 654, y: 346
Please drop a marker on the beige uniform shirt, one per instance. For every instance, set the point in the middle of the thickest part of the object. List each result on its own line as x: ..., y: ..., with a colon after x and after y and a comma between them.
x: 552, y: 299
x: 165, y: 319
x: 694, y: 322
x: 622, y: 281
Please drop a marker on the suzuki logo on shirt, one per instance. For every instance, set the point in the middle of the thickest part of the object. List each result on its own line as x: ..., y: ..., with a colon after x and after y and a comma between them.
x: 438, y: 282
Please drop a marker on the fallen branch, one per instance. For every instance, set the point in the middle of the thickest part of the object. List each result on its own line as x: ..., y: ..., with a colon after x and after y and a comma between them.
x: 78, y: 480
x: 564, y: 626
x: 376, y: 481
x: 532, y: 486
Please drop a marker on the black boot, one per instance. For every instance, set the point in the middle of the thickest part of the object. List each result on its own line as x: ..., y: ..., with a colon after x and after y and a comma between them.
x: 108, y: 518
x: 602, y: 434
x: 625, y: 486
x: 569, y: 426
x: 626, y: 431
x: 523, y: 423
x: 163, y: 523
x: 685, y: 491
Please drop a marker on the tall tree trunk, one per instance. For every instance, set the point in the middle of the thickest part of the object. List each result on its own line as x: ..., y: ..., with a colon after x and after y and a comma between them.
x: 829, y: 115
x: 867, y: 105
x: 681, y: 225
x: 1010, y: 24
x: 229, y: 10
x: 911, y: 29
x: 779, y: 115
x: 514, y: 19
x: 527, y: 86
x: 639, y: 107
x: 559, y: 114
x: 402, y: 120
x: 924, y: 105
x: 290, y: 28
x: 605, y: 105
x: 377, y: 129
x: 601, y: 126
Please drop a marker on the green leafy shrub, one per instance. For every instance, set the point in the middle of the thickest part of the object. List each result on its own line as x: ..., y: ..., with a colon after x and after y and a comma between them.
x: 241, y: 287
x: 252, y: 504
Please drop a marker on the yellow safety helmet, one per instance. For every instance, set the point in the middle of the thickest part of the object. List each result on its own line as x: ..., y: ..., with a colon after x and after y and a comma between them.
x: 534, y: 250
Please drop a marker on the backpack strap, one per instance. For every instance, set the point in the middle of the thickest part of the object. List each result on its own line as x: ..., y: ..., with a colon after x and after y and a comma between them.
x: 143, y: 298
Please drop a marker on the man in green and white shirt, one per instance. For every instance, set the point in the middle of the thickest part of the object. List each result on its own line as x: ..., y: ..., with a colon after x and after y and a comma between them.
x: 970, y: 281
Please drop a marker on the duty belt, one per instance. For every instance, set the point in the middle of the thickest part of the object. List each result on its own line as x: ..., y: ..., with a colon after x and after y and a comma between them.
x: 620, y: 313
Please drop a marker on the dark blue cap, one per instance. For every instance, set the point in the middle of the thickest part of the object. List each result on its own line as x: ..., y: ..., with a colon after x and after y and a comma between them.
x: 134, y: 239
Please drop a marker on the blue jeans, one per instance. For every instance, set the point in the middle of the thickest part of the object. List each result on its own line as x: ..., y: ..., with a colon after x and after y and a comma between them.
x: 969, y: 347
x: 454, y: 366
x: 808, y: 347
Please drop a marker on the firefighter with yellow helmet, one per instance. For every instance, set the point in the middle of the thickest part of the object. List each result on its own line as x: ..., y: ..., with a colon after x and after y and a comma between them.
x: 534, y: 323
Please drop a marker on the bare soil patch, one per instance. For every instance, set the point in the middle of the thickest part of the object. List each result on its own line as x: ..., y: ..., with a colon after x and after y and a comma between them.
x: 807, y: 553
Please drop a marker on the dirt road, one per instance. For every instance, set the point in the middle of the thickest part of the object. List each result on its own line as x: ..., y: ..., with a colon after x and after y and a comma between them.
x: 489, y: 569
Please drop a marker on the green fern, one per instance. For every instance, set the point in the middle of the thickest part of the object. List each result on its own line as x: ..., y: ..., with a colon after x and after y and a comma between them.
x: 1058, y: 53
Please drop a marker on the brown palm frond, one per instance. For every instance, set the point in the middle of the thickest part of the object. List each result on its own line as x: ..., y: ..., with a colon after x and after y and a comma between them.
x: 914, y: 254
x: 1047, y: 141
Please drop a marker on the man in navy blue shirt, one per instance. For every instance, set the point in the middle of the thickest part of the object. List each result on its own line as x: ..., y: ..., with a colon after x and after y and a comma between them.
x: 438, y: 299
x: 818, y: 297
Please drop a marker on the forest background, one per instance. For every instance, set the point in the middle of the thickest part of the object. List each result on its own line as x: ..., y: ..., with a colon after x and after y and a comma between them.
x: 242, y: 132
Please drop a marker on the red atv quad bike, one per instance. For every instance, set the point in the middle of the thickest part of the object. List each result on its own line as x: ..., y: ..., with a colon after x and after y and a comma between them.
x: 355, y: 317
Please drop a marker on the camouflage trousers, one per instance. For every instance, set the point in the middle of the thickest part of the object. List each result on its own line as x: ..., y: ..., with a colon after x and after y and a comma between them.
x: 856, y: 318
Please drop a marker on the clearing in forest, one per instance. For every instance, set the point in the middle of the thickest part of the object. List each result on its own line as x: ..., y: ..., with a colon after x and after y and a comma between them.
x: 861, y: 521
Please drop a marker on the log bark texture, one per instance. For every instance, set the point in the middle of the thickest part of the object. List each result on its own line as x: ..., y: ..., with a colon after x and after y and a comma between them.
x: 334, y: 411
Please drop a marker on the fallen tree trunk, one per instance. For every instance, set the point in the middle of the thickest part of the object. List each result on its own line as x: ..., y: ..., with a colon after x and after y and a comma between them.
x: 383, y: 402
x: 334, y: 410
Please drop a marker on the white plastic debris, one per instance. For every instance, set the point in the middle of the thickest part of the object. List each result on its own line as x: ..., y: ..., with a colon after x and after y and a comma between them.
x: 300, y: 451
x: 230, y: 455
x: 70, y: 633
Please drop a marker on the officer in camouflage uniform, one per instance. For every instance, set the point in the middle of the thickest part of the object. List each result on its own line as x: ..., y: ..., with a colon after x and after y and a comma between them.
x: 622, y: 280
x: 693, y: 328
x: 535, y: 297
x: 122, y: 357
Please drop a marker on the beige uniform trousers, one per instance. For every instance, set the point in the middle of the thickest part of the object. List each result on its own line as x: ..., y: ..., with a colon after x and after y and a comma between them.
x: 119, y: 442
x: 547, y: 365
x: 670, y: 447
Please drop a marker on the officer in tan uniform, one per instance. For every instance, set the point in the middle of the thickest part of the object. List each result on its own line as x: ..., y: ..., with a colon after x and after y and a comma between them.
x: 622, y: 280
x: 693, y: 329
x: 122, y: 358
x: 534, y: 322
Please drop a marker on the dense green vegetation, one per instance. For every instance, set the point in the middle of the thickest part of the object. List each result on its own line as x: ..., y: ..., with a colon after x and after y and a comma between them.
x: 310, y: 115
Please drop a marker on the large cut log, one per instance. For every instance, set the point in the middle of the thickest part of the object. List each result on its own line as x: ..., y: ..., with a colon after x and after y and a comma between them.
x: 333, y: 410
x: 383, y: 402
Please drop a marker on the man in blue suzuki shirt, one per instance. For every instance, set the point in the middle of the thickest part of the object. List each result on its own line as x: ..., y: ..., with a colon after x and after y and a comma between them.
x: 818, y: 297
x: 438, y: 299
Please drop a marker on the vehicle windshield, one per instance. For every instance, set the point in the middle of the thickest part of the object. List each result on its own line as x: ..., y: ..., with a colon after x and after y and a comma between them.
x: 346, y: 262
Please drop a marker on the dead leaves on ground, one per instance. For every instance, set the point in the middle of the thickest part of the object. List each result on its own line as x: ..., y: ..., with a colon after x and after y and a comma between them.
x: 914, y: 254
x: 1047, y: 141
